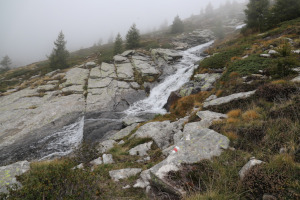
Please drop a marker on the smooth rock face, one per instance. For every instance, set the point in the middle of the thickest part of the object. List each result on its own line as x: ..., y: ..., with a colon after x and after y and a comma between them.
x: 248, y: 166
x: 196, y: 144
x: 207, y: 117
x: 144, y: 68
x: 161, y: 132
x: 132, y: 120
x: 125, y: 71
x: 227, y: 99
x: 141, y: 150
x: 74, y: 89
x: 76, y: 76
x: 116, y: 175
x: 8, y: 174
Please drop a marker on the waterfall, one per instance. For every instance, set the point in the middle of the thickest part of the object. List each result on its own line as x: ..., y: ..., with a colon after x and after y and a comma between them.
x: 159, y: 95
x: 64, y: 141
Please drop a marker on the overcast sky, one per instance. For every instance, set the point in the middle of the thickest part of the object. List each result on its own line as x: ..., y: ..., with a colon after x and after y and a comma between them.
x: 29, y: 27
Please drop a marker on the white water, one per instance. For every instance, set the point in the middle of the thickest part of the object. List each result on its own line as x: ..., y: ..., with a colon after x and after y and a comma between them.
x: 159, y: 95
x: 63, y: 142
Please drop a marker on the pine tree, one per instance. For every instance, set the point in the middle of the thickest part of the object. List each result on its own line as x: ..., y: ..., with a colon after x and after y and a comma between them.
x: 59, y: 55
x: 118, y: 48
x: 6, y: 63
x: 256, y: 14
x: 177, y: 26
x: 133, y: 37
x: 284, y: 10
x: 209, y: 10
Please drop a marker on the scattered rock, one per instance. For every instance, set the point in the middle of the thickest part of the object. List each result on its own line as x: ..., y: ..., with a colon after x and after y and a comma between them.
x: 297, y: 79
x: 107, y: 159
x: 296, y: 51
x: 227, y: 99
x: 207, y: 117
x: 273, y: 52
x: 121, y: 142
x: 90, y: 64
x: 106, y: 145
x: 268, y: 197
x: 116, y: 175
x: 265, y: 55
x: 80, y: 166
x: 126, y: 187
x: 8, y: 174
x: 211, y: 97
x: 97, y: 161
x: 118, y: 59
x: 141, y: 150
x: 248, y: 166
x: 128, y: 53
x: 283, y: 150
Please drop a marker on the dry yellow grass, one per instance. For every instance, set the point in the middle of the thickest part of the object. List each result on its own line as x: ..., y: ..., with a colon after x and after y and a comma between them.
x: 278, y: 82
x: 231, y: 135
x: 232, y: 120
x: 250, y: 115
x: 219, y: 93
x: 234, y: 113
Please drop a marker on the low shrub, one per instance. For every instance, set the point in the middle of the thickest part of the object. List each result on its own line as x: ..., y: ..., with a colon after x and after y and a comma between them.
x: 275, y: 92
x: 55, y: 180
x: 234, y: 113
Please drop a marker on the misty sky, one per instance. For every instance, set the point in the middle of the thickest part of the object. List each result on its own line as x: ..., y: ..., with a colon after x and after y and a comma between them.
x: 29, y: 27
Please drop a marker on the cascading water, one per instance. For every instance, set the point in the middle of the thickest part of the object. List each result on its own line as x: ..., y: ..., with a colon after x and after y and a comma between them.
x: 159, y: 95
x: 63, y: 142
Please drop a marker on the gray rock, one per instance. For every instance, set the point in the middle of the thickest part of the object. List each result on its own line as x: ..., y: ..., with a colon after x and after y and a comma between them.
x: 227, y: 99
x: 296, y: 51
x: 129, y: 120
x: 166, y: 54
x: 207, y: 117
x: 135, y: 85
x: 126, y: 187
x: 43, y: 88
x: 265, y: 55
x: 74, y: 89
x: 8, y: 174
x: 108, y: 70
x: 143, y: 57
x: 95, y: 72
x: 273, y: 52
x: 196, y: 144
x: 80, y: 166
x: 107, y: 159
x: 90, y: 64
x: 141, y: 150
x: 248, y: 166
x: 76, y: 76
x: 52, y: 73
x: 296, y: 80
x: 106, y: 146
x: 99, y: 83
x: 145, y: 68
x: 124, y: 85
x: 125, y: 71
x: 118, y: 59
x: 128, y: 53
x: 207, y: 80
x: 211, y: 97
x: 121, y: 142
x: 116, y: 175
x: 53, y: 82
x: 161, y: 132
x: 143, y: 181
x: 268, y: 197
x: 97, y: 161
x: 123, y: 133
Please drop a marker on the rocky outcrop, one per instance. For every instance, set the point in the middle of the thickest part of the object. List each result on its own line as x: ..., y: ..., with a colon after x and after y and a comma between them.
x: 227, y: 99
x: 141, y: 150
x: 8, y: 174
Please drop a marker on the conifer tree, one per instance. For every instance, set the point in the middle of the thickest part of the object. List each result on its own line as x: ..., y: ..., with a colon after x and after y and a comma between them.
x: 177, y: 26
x: 133, y: 37
x: 59, y: 55
x: 256, y: 14
x: 118, y: 48
x: 284, y: 10
x: 5, y: 63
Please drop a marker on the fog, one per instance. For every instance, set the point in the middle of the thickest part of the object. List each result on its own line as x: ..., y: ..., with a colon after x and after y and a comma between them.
x: 29, y: 27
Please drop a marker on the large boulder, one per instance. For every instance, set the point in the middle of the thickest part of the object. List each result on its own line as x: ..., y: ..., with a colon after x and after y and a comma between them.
x: 166, y: 54
x: 197, y: 143
x: 8, y: 174
x: 125, y: 71
x: 145, y: 68
x: 161, y: 132
x: 76, y: 76
x: 208, y: 117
